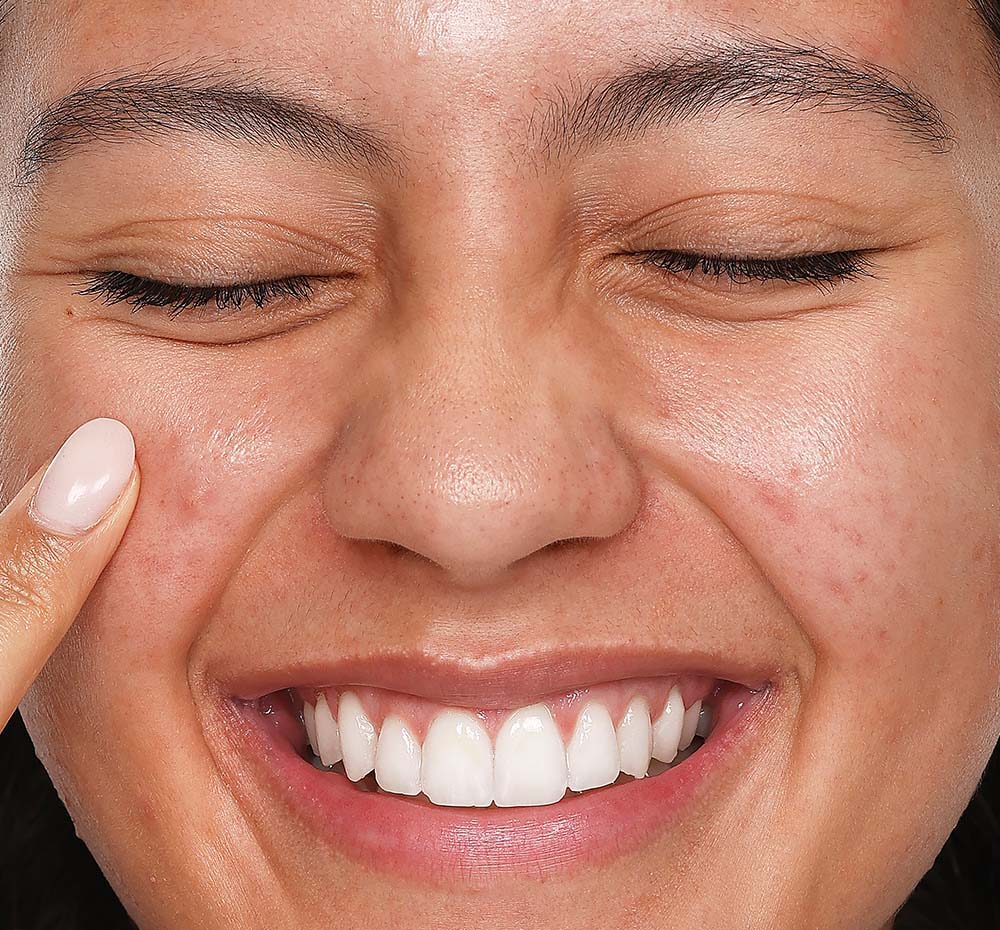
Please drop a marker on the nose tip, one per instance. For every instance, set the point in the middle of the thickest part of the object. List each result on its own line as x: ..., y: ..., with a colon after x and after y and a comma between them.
x: 477, y: 501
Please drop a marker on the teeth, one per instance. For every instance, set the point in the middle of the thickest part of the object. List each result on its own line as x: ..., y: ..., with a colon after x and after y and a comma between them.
x: 397, y: 758
x: 457, y: 766
x: 327, y: 743
x: 635, y: 738
x: 530, y: 763
x: 667, y: 729
x: 690, y: 724
x: 592, y: 756
x: 357, y: 737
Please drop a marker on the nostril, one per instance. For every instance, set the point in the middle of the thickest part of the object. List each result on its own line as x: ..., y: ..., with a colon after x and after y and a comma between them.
x: 406, y: 554
x: 572, y: 541
x: 480, y: 573
x: 469, y: 575
x: 394, y: 546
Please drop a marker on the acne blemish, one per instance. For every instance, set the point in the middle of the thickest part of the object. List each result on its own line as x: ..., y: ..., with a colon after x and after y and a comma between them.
x: 778, y: 501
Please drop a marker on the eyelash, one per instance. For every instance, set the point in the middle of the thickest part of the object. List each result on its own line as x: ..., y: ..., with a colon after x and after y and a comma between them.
x: 822, y: 269
x: 115, y: 287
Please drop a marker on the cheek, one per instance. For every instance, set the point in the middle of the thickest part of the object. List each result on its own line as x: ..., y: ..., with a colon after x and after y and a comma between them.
x: 846, y: 457
x: 894, y: 546
x: 218, y: 453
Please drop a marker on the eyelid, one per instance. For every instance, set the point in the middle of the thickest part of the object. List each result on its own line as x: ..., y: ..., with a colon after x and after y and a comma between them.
x: 821, y: 269
x: 116, y: 287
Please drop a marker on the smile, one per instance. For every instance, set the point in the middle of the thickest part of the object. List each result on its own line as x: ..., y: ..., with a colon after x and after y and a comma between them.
x: 442, y: 771
x: 529, y: 756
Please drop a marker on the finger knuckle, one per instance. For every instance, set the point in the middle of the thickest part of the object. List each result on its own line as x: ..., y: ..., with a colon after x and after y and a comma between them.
x: 26, y: 587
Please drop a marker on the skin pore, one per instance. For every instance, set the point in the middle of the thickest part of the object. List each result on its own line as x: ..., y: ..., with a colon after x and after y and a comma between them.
x: 799, y: 477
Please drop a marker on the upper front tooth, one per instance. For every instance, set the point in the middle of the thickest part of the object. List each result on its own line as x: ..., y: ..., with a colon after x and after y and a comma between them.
x: 530, y: 762
x: 327, y: 733
x: 635, y: 738
x: 457, y: 765
x: 357, y: 737
x: 592, y: 756
x: 397, y: 758
x: 667, y: 729
x: 690, y: 724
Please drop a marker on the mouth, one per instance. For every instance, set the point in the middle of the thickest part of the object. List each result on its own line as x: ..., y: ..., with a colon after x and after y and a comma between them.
x: 441, y: 790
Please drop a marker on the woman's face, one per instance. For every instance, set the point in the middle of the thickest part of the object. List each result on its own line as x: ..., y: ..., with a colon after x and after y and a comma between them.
x: 491, y: 441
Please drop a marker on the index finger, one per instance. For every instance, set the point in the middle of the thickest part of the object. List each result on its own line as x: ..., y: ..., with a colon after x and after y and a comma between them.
x: 56, y: 536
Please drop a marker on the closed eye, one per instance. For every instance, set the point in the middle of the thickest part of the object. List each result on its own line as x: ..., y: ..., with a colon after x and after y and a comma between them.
x: 115, y: 287
x: 821, y: 269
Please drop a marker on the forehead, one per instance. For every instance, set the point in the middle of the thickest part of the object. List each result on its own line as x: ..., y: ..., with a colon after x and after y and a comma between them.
x: 447, y: 79
x: 493, y: 49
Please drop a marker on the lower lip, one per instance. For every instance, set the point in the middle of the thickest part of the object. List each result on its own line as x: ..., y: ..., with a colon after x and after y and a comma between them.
x: 477, y: 846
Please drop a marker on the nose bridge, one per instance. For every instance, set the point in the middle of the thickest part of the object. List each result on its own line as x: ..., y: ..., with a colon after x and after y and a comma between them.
x: 478, y: 439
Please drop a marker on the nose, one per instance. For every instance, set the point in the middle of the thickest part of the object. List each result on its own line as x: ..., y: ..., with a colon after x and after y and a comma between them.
x: 478, y: 439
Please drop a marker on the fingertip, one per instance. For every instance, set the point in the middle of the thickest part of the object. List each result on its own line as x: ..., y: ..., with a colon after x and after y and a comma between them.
x: 87, y: 477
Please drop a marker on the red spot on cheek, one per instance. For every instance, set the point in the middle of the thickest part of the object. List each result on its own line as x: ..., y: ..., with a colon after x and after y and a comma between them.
x: 778, y: 500
x: 838, y: 590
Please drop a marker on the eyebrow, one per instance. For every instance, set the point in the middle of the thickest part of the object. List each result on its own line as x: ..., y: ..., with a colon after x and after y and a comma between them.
x: 232, y: 108
x: 709, y: 79
x: 721, y: 75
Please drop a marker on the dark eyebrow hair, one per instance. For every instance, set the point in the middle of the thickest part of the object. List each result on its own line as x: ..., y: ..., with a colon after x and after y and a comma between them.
x: 717, y: 75
x: 233, y: 108
x: 709, y: 78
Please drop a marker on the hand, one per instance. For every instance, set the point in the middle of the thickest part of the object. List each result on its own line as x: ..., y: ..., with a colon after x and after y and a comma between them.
x: 56, y: 536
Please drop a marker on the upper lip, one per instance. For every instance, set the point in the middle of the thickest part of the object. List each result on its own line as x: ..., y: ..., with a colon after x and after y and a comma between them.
x: 500, y: 680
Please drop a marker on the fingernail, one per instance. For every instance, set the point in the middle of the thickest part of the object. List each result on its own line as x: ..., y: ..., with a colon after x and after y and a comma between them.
x: 85, y: 478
